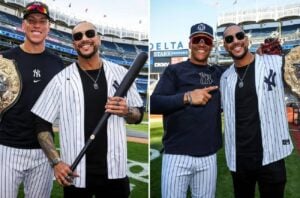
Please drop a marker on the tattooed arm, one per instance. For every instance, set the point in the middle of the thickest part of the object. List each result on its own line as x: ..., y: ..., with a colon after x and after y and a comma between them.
x: 46, y: 141
x: 62, y: 171
x: 45, y: 137
x: 118, y: 106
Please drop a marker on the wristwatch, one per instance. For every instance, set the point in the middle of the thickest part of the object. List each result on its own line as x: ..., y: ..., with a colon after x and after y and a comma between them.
x: 55, y: 161
x: 130, y: 112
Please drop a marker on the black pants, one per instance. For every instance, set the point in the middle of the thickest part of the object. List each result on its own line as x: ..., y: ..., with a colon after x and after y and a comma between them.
x: 271, y: 181
x: 114, y: 188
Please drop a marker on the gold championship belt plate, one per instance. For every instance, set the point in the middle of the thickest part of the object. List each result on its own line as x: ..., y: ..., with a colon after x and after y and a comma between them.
x: 10, y: 84
x: 292, y: 70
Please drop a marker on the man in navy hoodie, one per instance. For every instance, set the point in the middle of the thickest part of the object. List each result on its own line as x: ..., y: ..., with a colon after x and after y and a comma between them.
x: 188, y: 97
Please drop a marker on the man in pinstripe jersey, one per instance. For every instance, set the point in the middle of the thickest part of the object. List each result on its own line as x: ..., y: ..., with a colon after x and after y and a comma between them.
x: 256, y: 131
x: 187, y: 96
x: 21, y: 157
x: 80, y: 95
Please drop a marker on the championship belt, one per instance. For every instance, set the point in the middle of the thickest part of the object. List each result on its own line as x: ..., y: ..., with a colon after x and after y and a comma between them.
x: 292, y: 70
x: 10, y: 84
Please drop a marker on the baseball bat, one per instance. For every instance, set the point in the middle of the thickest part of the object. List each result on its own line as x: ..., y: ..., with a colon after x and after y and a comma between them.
x: 126, y: 83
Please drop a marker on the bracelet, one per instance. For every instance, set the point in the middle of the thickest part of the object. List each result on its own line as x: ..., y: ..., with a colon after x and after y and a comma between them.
x: 189, y: 98
x: 55, y: 161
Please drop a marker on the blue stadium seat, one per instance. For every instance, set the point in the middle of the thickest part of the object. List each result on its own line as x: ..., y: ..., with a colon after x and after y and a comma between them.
x: 109, y: 45
x: 142, y: 84
x: 127, y: 47
x: 10, y: 19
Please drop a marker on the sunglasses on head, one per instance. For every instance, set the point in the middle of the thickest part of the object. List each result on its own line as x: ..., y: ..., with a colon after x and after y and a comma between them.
x: 229, y: 39
x: 202, y: 39
x: 79, y: 35
x: 39, y: 8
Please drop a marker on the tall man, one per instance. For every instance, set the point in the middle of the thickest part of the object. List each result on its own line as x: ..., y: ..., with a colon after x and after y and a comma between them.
x: 22, y: 159
x: 187, y: 96
x: 80, y: 95
x: 256, y: 129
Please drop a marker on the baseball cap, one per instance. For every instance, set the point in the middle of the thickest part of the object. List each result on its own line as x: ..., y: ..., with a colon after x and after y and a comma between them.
x: 36, y: 7
x: 203, y: 29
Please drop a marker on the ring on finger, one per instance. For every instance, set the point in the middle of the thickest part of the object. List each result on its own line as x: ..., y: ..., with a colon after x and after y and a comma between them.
x: 69, y: 178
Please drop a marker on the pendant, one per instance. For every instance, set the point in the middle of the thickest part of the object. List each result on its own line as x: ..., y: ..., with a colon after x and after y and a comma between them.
x: 241, y: 84
x: 96, y: 86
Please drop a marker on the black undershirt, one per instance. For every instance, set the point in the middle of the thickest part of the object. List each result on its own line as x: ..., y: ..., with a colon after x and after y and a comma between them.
x: 95, y: 101
x: 17, y: 127
x: 248, y: 132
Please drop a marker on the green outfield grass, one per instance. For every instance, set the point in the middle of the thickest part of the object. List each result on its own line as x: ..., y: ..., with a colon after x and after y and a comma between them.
x: 224, y: 182
x: 143, y: 127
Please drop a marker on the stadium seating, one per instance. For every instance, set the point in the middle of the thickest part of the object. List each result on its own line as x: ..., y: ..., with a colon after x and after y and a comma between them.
x: 127, y: 47
x: 286, y: 30
x: 109, y: 46
x: 142, y: 84
x: 10, y: 19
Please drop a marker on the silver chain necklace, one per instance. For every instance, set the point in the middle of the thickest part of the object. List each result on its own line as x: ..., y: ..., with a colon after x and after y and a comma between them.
x: 241, y: 83
x: 95, y: 85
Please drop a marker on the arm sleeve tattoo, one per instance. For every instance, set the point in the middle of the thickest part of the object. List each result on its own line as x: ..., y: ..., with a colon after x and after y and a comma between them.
x: 45, y: 139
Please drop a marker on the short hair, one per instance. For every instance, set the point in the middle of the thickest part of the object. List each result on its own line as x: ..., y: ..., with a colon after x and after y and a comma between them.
x: 230, y: 25
x: 80, y: 22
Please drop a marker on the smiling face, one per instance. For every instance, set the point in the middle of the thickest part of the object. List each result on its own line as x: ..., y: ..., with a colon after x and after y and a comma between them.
x: 85, y: 40
x: 236, y: 42
x: 200, y: 46
x: 36, y: 27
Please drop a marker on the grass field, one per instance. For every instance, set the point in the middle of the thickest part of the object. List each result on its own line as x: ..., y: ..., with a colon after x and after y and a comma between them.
x: 224, y: 182
x: 143, y: 127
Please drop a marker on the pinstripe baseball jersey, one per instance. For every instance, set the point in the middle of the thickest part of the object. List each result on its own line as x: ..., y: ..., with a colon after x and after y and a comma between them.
x: 276, y: 141
x: 64, y: 97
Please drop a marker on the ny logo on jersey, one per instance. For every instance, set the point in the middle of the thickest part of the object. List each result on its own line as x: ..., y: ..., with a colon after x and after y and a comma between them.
x: 205, y: 79
x: 270, y: 80
x: 36, y: 73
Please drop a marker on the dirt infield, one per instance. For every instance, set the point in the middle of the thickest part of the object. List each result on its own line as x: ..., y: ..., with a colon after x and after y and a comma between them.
x: 152, y: 116
x: 137, y: 140
x: 155, y: 118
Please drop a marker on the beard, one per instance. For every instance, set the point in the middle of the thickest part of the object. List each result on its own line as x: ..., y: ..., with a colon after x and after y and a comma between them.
x: 240, y: 56
x: 87, y: 56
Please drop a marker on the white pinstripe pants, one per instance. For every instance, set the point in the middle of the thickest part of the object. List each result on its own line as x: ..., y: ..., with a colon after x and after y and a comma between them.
x: 29, y: 166
x: 181, y: 171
